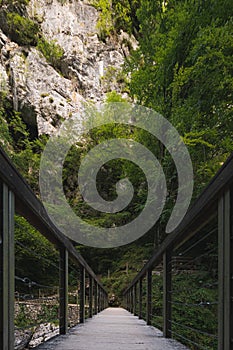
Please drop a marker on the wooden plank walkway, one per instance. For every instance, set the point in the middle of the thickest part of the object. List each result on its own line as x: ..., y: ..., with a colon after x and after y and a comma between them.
x: 112, y: 329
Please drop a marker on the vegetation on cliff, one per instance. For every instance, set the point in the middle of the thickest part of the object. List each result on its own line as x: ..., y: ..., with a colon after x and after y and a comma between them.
x: 182, y: 69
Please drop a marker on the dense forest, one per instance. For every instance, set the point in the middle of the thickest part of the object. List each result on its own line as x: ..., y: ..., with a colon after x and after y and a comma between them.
x: 182, y: 68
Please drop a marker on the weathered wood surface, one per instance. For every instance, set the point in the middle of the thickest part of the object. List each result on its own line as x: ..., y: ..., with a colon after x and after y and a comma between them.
x: 113, y: 329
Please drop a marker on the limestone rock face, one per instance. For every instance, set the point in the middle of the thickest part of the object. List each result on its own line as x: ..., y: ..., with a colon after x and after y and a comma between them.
x: 45, y: 96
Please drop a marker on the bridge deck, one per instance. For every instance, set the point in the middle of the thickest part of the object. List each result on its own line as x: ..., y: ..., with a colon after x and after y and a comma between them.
x: 112, y: 329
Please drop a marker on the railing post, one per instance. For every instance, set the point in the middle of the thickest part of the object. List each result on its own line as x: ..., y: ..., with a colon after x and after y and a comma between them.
x: 96, y: 297
x: 149, y: 297
x: 131, y: 300
x: 225, y: 271
x: 127, y: 300
x: 99, y: 300
x: 7, y: 268
x: 82, y: 299
x: 90, y: 296
x: 63, y: 299
x: 167, y: 285
x: 102, y: 299
x: 140, y: 299
x: 106, y: 300
x: 135, y: 299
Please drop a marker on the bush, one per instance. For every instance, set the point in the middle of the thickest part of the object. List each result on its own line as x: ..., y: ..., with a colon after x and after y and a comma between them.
x: 14, y: 2
x: 116, y: 15
x: 51, y: 51
x: 22, y: 30
x: 105, y: 23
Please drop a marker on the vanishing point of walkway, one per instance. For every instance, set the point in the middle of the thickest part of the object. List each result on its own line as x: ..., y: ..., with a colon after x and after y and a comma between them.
x: 112, y: 329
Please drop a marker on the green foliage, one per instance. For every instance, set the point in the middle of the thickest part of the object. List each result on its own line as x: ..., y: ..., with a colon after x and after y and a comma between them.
x: 14, y: 2
x: 109, y: 174
x: 5, y: 136
x: 24, y: 151
x: 116, y: 15
x: 105, y: 24
x: 183, y: 70
x: 117, y: 266
x: 190, y: 291
x: 26, y: 319
x: 49, y: 313
x: 35, y: 256
x: 114, y: 77
x: 125, y: 15
x: 22, y: 30
x: 51, y: 51
x: 113, y: 96
x: 21, y: 320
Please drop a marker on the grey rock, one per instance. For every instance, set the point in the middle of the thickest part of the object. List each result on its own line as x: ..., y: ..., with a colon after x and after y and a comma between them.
x: 44, y: 96
x: 22, y: 339
x: 42, y: 333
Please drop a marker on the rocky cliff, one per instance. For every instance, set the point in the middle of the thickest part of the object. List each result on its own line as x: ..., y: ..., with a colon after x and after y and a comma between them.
x: 47, y: 94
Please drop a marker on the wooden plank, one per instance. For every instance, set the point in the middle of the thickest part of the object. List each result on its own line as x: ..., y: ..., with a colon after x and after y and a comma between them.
x: 63, y: 298
x: 167, y: 286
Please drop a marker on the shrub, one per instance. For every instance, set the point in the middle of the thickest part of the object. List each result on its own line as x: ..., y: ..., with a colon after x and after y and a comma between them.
x: 51, y: 51
x: 14, y: 2
x: 22, y: 30
x: 105, y: 23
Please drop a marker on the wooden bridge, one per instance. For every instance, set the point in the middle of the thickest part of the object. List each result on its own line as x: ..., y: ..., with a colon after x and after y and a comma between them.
x: 113, y: 329
x: 204, y: 238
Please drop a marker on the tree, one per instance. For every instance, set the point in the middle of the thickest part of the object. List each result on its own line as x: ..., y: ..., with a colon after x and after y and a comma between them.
x: 183, y: 69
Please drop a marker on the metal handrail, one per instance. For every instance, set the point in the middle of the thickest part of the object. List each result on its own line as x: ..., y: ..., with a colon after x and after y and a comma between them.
x: 214, y: 206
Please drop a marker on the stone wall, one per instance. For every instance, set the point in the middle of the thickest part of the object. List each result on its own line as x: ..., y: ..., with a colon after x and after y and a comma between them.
x: 32, y: 312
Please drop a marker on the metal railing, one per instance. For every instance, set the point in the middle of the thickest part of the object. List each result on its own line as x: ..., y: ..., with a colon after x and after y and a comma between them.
x: 191, y: 297
x: 16, y: 197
